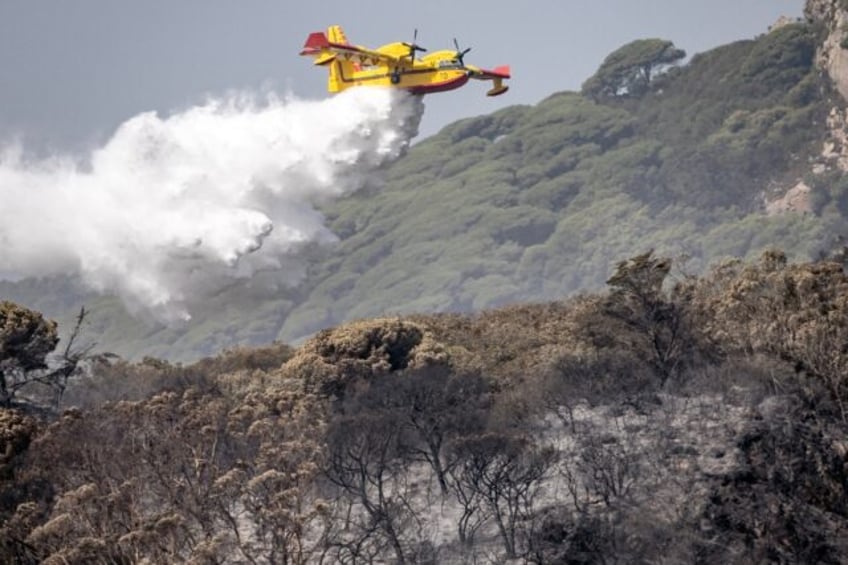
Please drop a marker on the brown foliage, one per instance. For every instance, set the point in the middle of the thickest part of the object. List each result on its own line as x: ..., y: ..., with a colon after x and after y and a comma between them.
x: 227, y: 460
x: 265, y: 359
x: 797, y: 313
x: 25, y: 340
x: 335, y: 359
x: 180, y: 476
x: 16, y: 433
x: 25, y: 336
x: 508, y: 344
x: 111, y: 380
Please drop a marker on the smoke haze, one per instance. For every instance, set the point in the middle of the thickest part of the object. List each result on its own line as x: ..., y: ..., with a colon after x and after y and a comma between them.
x: 172, y: 210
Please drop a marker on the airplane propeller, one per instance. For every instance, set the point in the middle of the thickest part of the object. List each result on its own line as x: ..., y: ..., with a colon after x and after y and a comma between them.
x: 460, y: 53
x: 413, y: 47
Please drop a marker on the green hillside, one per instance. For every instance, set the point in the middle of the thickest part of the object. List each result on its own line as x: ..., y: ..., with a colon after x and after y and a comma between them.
x: 536, y: 202
x: 532, y: 203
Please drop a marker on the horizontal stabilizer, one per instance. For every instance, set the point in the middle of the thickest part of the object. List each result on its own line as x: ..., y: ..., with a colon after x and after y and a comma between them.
x: 325, y: 59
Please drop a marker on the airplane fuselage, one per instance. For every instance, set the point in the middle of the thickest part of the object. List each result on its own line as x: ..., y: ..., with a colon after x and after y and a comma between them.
x: 436, y: 72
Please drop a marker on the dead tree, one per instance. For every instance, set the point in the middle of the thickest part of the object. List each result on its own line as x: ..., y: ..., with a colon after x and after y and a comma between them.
x: 363, y: 462
x: 506, y: 473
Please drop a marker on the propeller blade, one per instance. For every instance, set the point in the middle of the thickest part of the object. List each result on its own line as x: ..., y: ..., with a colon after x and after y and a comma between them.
x: 460, y: 53
x: 413, y: 47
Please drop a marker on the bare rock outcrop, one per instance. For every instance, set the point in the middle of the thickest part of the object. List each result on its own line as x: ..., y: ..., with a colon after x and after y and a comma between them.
x: 796, y: 199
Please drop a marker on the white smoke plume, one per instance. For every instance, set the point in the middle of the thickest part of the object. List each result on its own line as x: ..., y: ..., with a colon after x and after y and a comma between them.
x: 173, y: 210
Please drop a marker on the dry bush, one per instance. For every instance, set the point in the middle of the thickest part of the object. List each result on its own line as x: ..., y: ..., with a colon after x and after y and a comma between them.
x: 797, y: 313
x: 507, y: 344
x: 26, y: 339
x: 602, y: 377
x: 112, y: 380
x: 263, y: 359
x: 16, y: 433
x: 335, y: 359
x: 561, y: 536
x: 116, y: 380
x: 181, y: 476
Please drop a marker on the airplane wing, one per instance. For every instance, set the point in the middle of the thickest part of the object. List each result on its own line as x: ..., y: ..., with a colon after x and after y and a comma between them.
x: 317, y: 45
x: 485, y: 74
x: 497, y: 76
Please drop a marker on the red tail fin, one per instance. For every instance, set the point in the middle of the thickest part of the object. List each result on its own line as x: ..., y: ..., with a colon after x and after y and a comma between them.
x: 314, y: 43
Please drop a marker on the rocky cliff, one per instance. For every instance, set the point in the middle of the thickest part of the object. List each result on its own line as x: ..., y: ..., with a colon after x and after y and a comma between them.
x: 832, y: 56
x: 832, y: 59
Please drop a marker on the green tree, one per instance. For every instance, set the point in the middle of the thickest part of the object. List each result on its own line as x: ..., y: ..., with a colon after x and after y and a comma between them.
x: 630, y: 69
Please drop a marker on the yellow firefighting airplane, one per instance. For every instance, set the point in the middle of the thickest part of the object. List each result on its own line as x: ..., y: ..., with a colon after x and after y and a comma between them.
x: 396, y: 65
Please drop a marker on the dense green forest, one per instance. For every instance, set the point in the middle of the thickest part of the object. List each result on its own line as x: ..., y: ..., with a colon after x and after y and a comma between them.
x: 536, y: 202
x: 545, y: 433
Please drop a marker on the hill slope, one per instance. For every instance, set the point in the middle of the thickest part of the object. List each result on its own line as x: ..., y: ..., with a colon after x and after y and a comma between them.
x: 535, y: 202
x: 546, y: 433
x: 532, y: 203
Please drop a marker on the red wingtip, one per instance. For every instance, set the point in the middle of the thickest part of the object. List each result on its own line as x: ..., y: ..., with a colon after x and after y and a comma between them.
x: 314, y: 43
x: 503, y: 70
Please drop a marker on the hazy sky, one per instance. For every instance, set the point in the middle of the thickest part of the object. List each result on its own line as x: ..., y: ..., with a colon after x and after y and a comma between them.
x: 71, y: 71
